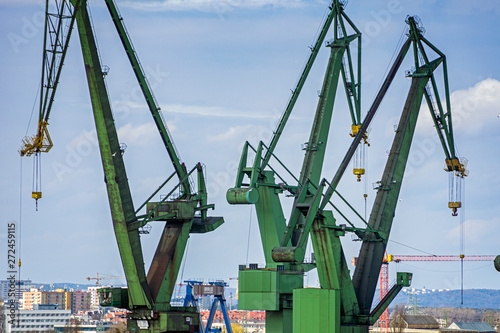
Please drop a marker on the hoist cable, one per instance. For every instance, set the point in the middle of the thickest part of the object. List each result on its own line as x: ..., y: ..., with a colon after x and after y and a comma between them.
x: 184, y: 260
x: 462, y: 244
x: 413, y: 248
x: 365, y: 187
x: 32, y: 111
x: 19, y: 229
x: 248, y: 239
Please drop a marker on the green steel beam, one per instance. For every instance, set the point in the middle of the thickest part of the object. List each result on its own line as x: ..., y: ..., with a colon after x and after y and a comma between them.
x: 312, y: 165
x: 372, y: 250
x: 333, y: 272
x: 316, y: 145
x: 148, y: 95
x: 296, y: 92
x: 272, y: 222
x: 50, y: 82
x: 120, y: 199
x: 402, y: 280
x: 366, y: 122
x: 166, y: 262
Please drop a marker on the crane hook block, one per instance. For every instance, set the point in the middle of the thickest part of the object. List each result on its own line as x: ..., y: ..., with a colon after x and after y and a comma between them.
x: 454, y: 207
x: 358, y: 173
x: 242, y: 196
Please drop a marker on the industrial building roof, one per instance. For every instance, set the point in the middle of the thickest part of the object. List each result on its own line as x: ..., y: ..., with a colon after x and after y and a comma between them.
x: 481, y: 327
x: 421, y: 320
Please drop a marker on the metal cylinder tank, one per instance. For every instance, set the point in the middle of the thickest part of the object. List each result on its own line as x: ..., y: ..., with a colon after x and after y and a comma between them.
x: 243, y: 196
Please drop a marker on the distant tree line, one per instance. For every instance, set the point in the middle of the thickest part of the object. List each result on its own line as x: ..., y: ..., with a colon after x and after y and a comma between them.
x: 452, y: 315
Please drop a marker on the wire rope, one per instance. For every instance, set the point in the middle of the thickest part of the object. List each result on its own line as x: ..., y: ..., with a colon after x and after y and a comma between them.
x: 249, y: 230
x: 413, y: 248
x: 184, y: 261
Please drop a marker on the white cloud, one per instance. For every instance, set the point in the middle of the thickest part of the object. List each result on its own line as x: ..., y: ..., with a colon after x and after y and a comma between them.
x: 472, y: 109
x: 472, y: 7
x: 212, y: 111
x: 216, y: 6
x: 241, y: 134
x: 232, y: 134
x: 21, y: 2
x: 141, y: 134
x: 216, y: 111
x: 85, y: 138
x: 476, y: 232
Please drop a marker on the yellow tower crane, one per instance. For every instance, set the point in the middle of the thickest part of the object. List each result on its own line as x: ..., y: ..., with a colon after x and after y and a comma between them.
x: 97, y: 278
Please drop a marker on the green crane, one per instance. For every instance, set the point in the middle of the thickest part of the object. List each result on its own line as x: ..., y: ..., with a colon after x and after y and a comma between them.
x: 342, y: 304
x: 148, y: 294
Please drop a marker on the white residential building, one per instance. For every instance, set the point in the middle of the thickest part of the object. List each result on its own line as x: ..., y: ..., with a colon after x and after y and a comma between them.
x: 38, y: 320
x: 94, y: 297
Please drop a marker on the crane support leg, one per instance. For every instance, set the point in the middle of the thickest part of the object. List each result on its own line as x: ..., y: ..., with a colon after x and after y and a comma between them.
x: 166, y: 262
x: 333, y: 272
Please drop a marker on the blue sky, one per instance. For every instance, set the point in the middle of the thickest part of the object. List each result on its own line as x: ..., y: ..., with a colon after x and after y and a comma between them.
x: 222, y: 72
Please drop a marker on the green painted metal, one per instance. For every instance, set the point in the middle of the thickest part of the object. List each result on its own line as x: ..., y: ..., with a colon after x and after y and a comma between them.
x: 148, y: 95
x: 271, y: 290
x: 402, y: 280
x: 316, y: 146
x: 55, y: 53
x: 148, y: 295
x: 346, y: 301
x: 334, y: 13
x: 272, y: 222
x: 284, y: 243
x: 314, y: 310
x: 120, y: 199
x: 373, y: 247
x: 58, y: 27
x: 366, y: 123
x: 178, y: 320
x: 115, y: 297
x: 166, y: 262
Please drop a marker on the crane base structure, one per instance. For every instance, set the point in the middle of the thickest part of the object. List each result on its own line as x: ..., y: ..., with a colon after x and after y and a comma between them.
x: 343, y: 303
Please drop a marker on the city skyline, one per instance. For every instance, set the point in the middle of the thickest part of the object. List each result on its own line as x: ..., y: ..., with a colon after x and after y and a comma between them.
x: 222, y: 72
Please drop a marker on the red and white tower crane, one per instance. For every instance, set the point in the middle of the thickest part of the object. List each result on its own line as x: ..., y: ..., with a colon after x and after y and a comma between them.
x: 384, y: 273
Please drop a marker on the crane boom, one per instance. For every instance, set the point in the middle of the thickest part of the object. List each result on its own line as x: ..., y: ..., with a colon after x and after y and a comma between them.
x: 374, y: 244
x: 120, y: 199
x: 334, y: 11
x: 148, y: 294
x: 180, y: 168
x: 373, y: 248
x: 57, y: 33
x: 398, y: 258
x: 347, y: 302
